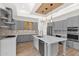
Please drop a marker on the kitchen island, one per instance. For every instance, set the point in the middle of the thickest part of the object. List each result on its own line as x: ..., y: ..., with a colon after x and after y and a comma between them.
x: 48, y: 45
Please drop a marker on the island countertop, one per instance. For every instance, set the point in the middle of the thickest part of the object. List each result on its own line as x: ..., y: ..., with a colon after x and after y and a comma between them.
x: 51, y: 39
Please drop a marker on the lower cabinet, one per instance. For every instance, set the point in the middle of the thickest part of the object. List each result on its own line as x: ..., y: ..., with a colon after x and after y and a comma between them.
x: 76, y: 45
x: 73, y: 44
x: 70, y: 44
x: 8, y: 46
x: 36, y: 43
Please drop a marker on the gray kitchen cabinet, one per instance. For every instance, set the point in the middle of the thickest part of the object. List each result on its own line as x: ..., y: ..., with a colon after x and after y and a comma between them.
x: 56, y: 25
x: 60, y: 25
x: 24, y: 38
x: 70, y: 44
x: 64, y: 25
x: 69, y: 22
x: 73, y: 44
x: 76, y: 45
x: 75, y: 21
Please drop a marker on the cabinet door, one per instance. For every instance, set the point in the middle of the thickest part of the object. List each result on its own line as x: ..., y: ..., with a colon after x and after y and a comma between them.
x: 70, y: 44
x: 75, y: 21
x: 76, y: 45
x: 36, y: 43
x: 64, y: 25
x: 8, y: 47
x: 56, y: 25
x: 69, y: 22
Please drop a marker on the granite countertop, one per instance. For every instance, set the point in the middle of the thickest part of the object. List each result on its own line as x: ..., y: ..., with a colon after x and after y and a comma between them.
x: 50, y: 39
x: 16, y: 32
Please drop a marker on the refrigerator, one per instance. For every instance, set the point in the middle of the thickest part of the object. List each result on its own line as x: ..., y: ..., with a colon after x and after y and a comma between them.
x: 49, y: 30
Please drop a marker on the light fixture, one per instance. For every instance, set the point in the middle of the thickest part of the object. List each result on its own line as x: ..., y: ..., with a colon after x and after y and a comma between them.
x: 46, y: 8
x: 51, y: 20
x: 51, y: 4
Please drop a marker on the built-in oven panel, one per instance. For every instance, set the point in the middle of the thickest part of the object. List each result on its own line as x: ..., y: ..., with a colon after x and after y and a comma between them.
x: 72, y: 37
x: 72, y: 28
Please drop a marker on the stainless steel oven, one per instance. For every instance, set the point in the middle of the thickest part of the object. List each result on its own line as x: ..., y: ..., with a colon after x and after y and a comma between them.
x: 72, y: 37
x: 72, y: 29
x: 72, y: 33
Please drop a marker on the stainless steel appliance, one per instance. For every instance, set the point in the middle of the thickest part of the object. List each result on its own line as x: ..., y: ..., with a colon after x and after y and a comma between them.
x: 49, y: 30
x: 72, y: 33
x: 71, y: 29
x: 41, y: 47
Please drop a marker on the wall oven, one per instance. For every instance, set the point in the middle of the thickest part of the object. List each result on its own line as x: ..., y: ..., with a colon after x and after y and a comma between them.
x: 72, y: 33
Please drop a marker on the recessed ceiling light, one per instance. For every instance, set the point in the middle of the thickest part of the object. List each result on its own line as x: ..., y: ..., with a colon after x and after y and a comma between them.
x: 51, y: 4
x: 46, y: 8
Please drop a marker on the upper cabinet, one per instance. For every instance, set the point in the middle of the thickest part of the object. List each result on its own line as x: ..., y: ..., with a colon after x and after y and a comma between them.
x: 73, y: 21
x: 57, y: 25
x: 70, y: 22
x: 60, y: 25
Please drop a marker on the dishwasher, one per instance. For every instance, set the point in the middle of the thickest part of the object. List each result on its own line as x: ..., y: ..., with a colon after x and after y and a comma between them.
x: 41, y: 47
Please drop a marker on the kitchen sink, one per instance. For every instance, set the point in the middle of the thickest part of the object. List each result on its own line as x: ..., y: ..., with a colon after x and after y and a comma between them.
x: 40, y: 36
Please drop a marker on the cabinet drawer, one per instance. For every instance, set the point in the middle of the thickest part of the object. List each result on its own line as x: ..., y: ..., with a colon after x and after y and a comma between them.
x: 70, y: 44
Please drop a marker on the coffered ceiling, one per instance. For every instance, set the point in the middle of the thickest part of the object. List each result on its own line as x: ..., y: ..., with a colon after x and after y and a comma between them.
x: 47, y: 7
